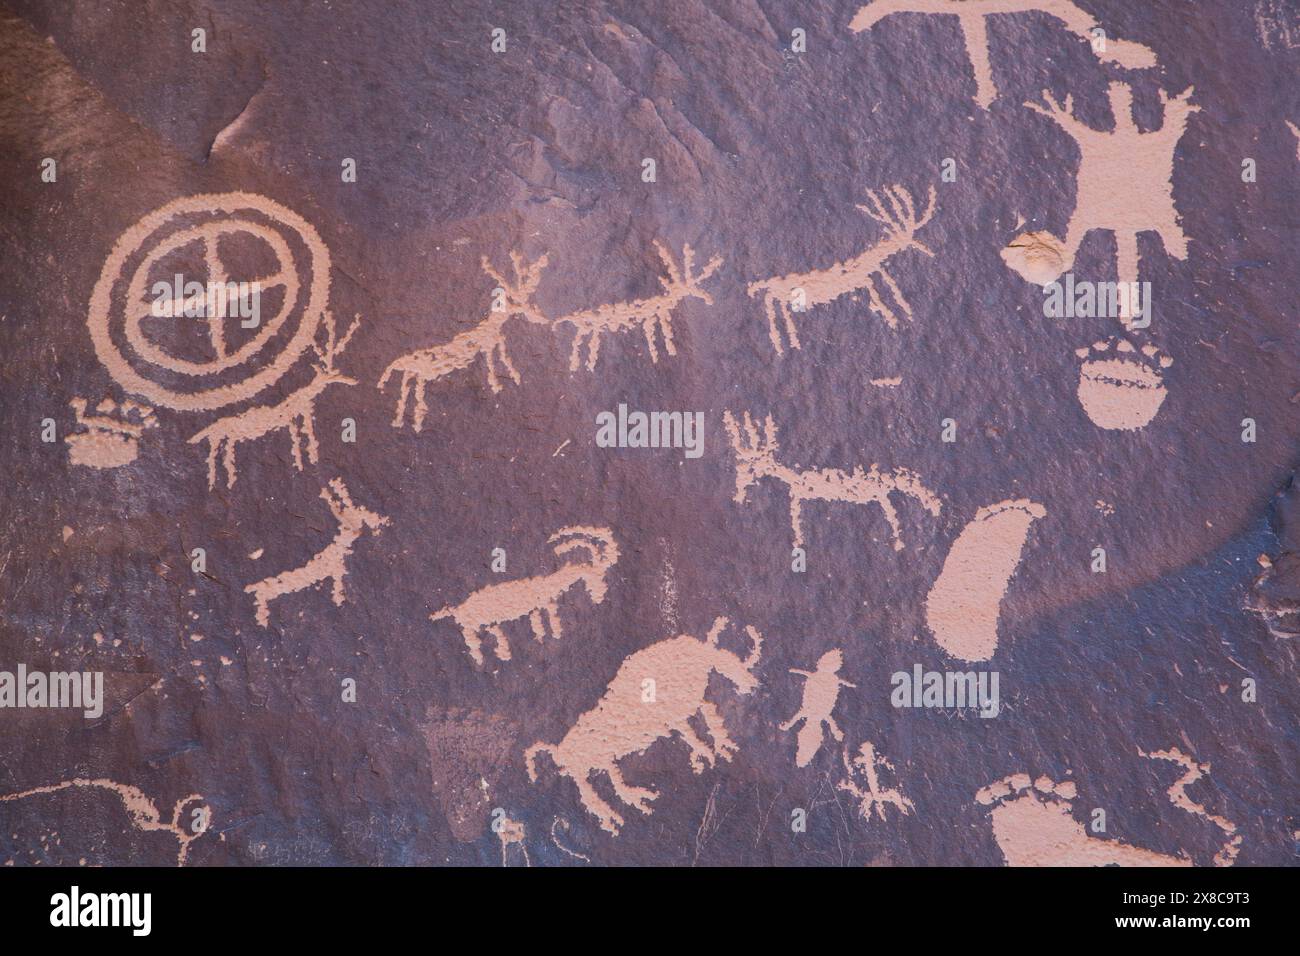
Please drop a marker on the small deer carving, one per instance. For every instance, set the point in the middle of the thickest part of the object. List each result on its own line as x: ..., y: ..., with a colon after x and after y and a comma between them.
x: 675, y: 674
x: 799, y: 291
x: 536, y: 598
x: 487, y: 339
x: 875, y: 797
x: 296, y: 414
x: 756, y: 459
x: 656, y: 312
x: 331, y: 563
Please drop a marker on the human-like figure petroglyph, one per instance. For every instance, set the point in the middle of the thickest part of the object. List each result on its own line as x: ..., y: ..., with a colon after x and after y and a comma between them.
x: 655, y: 312
x: 654, y: 695
x: 486, y: 340
x: 296, y: 414
x: 121, y: 303
x: 756, y: 459
x: 142, y: 811
x: 328, y: 565
x: 965, y: 602
x: 1125, y: 186
x: 971, y: 14
x: 1193, y: 772
x: 536, y: 598
x: 1120, y: 386
x: 821, y: 690
x: 798, y: 291
x: 1033, y: 826
x: 112, y: 436
x: 875, y: 797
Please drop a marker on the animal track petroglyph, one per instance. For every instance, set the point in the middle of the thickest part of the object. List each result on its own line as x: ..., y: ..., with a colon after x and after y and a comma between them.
x: 821, y: 690
x: 788, y: 294
x: 486, y: 340
x: 1121, y: 389
x: 1193, y: 772
x: 1034, y: 827
x: 296, y: 414
x: 536, y: 598
x: 654, y: 695
x: 971, y: 15
x: 142, y: 811
x: 1125, y: 186
x: 875, y: 797
x: 965, y: 602
x: 330, y: 564
x: 756, y: 459
x: 656, y: 312
x: 112, y: 436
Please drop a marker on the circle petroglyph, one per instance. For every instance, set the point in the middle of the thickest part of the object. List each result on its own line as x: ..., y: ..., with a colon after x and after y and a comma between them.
x: 120, y: 303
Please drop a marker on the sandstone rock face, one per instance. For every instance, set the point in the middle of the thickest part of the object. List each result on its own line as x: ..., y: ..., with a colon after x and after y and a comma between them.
x: 391, y: 400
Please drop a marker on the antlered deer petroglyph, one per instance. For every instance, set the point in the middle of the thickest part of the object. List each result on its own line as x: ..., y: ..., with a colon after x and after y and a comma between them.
x: 487, y: 339
x: 1194, y: 771
x: 296, y: 414
x: 875, y: 797
x: 329, y: 564
x: 112, y: 436
x: 536, y: 598
x: 756, y: 459
x: 654, y: 695
x: 799, y: 291
x: 821, y: 690
x: 971, y: 14
x: 656, y: 312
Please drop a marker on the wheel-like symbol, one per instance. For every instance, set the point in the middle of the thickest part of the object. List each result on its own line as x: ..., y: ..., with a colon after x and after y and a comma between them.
x: 226, y: 372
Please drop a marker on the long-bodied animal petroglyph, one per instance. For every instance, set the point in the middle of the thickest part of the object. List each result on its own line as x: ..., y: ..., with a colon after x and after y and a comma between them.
x: 330, y: 564
x: 650, y: 314
x: 142, y: 811
x: 535, y: 598
x: 756, y: 459
x: 1193, y: 772
x: 112, y: 436
x: 487, y: 340
x: 1125, y: 186
x: 965, y: 602
x: 971, y: 16
x: 783, y: 296
x: 1033, y: 826
x: 655, y: 694
x: 875, y: 797
x: 296, y: 414
x: 1120, y: 386
x: 821, y: 690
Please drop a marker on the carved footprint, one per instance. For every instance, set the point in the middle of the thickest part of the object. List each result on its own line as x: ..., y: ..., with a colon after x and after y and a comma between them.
x: 1120, y: 387
x: 1033, y: 827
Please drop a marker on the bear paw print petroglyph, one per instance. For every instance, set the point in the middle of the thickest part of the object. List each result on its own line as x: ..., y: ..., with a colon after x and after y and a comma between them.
x: 872, y: 796
x: 821, y: 691
x: 756, y: 459
x: 1120, y: 386
x: 112, y: 435
x: 788, y: 294
x: 655, y: 694
x: 535, y: 598
x: 971, y: 16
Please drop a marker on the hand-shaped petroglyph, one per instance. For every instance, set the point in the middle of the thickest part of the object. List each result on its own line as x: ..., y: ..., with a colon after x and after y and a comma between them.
x: 328, y: 565
x: 112, y: 436
x: 971, y: 14
x: 535, y: 598
x: 590, y: 324
x: 821, y: 690
x: 799, y: 291
x: 296, y: 414
x: 487, y: 339
x: 654, y: 695
x: 756, y: 459
x: 875, y: 797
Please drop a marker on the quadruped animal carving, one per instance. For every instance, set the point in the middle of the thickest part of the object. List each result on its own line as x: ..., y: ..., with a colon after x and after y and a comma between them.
x: 536, y: 598
x: 654, y: 695
x: 875, y: 797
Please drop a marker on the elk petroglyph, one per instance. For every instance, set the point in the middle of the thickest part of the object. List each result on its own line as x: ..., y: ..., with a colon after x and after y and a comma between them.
x: 330, y: 564
x: 296, y: 414
x: 629, y: 717
x: 655, y: 312
x: 756, y: 459
x: 536, y: 598
x: 798, y: 291
x: 487, y: 339
x: 821, y: 690
x: 875, y: 797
